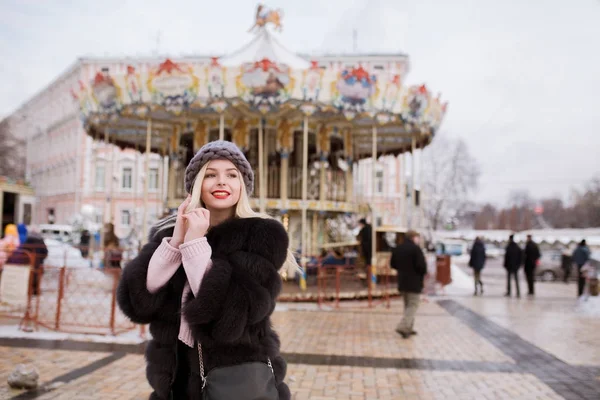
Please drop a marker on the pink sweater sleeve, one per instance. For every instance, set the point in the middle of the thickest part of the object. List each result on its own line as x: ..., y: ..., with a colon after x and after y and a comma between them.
x: 164, y: 263
x: 196, y: 261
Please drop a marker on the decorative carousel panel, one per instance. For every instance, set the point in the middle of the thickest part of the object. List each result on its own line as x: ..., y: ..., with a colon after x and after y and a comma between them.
x: 173, y: 86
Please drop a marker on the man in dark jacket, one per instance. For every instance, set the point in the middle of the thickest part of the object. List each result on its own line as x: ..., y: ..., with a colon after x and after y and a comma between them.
x: 365, y: 238
x: 513, y: 257
x: 84, y: 243
x: 409, y: 261
x: 581, y: 255
x: 532, y: 255
x: 477, y: 262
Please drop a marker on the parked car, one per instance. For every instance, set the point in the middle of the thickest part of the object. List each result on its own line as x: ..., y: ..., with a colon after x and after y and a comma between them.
x: 63, y: 233
x: 550, y: 268
x: 493, y: 251
x: 452, y: 247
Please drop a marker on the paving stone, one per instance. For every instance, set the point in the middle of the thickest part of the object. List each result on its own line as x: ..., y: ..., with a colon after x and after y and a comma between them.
x: 467, y: 348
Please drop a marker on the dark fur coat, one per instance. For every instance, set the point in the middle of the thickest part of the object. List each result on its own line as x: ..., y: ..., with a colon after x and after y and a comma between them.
x: 230, y: 317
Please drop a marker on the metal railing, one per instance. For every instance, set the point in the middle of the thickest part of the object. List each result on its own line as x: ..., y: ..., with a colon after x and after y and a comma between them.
x: 67, y: 294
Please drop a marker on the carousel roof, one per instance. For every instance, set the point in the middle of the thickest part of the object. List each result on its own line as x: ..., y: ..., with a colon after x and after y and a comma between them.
x: 261, y: 81
x: 264, y: 47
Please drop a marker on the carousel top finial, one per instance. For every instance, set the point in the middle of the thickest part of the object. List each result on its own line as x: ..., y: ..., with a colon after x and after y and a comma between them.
x: 266, y: 15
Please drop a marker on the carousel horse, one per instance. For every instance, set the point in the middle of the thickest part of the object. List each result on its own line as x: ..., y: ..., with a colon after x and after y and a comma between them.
x: 265, y: 15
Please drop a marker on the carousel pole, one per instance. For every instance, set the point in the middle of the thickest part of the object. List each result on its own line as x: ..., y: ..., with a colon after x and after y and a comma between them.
x: 413, y: 191
x: 111, y: 185
x: 421, y: 191
x: 304, y: 201
x: 147, y: 181
x: 101, y: 244
x: 261, y: 167
x: 222, y: 126
x: 373, y: 208
x: 134, y: 193
x: 161, y: 180
x: 403, y: 190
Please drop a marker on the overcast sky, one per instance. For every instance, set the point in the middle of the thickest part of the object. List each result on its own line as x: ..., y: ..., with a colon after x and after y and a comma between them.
x: 522, y: 77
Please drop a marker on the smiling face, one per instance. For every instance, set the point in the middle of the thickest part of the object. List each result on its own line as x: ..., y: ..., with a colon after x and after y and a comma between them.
x: 221, y: 186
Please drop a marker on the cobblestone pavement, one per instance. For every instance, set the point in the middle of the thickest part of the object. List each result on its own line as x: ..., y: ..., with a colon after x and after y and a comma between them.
x: 467, y: 347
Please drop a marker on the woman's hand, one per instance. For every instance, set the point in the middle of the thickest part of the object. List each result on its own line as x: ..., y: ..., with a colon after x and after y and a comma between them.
x: 179, y: 231
x: 198, y: 222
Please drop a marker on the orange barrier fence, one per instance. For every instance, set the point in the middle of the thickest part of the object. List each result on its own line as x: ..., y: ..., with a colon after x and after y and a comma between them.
x: 336, y: 273
x: 69, y: 295
x: 79, y: 300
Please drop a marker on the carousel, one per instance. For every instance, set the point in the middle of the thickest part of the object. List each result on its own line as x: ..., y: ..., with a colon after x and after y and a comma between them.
x: 303, y: 123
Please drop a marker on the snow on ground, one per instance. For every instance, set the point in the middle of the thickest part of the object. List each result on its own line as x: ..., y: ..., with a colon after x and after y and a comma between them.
x: 129, y: 337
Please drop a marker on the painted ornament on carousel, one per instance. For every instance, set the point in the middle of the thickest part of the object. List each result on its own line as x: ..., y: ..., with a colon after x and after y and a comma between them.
x: 391, y: 93
x: 355, y: 86
x: 173, y: 86
x: 84, y: 100
x: 435, y: 112
x: 415, y: 103
x: 263, y: 83
x: 133, y: 85
x: 106, y: 93
x: 312, y: 81
x: 215, y: 78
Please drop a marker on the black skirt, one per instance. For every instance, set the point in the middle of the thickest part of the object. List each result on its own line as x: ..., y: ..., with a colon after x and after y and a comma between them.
x: 187, y: 384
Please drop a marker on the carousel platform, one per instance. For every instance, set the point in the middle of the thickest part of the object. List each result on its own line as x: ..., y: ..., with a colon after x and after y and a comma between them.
x: 339, y: 284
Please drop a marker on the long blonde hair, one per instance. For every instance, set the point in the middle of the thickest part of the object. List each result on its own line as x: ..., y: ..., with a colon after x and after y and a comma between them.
x: 242, y: 210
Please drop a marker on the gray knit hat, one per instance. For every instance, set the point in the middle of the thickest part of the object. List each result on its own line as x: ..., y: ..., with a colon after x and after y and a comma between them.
x: 219, y: 150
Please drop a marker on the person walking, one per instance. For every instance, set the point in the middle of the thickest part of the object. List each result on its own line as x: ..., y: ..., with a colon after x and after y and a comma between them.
x: 477, y: 262
x: 581, y: 255
x: 513, y: 257
x: 532, y: 255
x: 113, y: 253
x: 365, y: 239
x: 206, y: 283
x: 22, y: 229
x: 408, y: 259
x: 84, y: 243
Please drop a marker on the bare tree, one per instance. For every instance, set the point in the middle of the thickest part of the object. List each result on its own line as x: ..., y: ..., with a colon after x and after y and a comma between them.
x: 521, y: 214
x: 555, y: 212
x: 586, y: 210
x: 11, y: 152
x: 486, y: 218
x: 450, y: 175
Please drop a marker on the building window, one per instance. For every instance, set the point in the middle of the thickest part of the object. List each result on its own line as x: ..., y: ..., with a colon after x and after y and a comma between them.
x: 379, y: 181
x: 125, y: 217
x: 99, y: 180
x: 127, y: 178
x: 153, y: 179
x: 51, y: 216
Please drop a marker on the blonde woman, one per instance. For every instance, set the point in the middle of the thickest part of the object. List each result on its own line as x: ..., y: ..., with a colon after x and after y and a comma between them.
x: 206, y: 283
